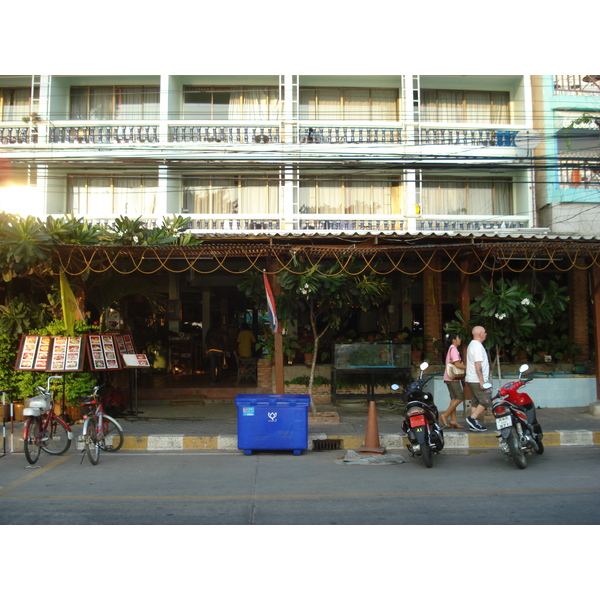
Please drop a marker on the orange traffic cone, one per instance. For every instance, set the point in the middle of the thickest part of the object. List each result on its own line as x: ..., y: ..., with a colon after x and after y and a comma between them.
x: 371, y: 445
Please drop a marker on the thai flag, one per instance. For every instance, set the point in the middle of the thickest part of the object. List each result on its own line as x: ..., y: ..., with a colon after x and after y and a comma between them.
x: 271, y: 305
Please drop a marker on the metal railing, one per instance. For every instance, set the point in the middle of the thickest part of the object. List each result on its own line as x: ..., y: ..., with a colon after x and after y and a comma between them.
x: 578, y: 174
x: 577, y: 84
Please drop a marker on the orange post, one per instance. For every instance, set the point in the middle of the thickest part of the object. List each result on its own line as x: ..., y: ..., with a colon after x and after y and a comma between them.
x: 371, y: 445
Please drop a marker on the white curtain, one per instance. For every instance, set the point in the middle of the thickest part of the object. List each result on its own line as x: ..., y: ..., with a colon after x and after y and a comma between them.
x: 347, y: 196
x: 254, y: 105
x: 137, y: 103
x: 260, y: 196
x: 15, y: 104
x: 103, y: 196
x: 466, y: 197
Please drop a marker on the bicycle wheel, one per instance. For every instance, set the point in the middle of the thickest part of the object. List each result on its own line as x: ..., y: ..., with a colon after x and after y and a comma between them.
x: 113, y: 435
x: 30, y: 436
x: 57, y: 439
x: 92, y: 447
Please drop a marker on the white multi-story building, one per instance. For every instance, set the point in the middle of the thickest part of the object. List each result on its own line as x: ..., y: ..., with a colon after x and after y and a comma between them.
x: 280, y: 153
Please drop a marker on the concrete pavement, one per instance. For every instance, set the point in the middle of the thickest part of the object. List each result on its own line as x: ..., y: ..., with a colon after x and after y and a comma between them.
x: 214, y: 426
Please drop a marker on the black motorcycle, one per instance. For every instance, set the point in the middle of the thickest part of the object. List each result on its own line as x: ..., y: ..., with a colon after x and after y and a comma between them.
x: 425, y: 436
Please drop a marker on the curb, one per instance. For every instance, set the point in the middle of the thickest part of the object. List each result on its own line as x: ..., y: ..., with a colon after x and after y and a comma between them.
x: 453, y: 440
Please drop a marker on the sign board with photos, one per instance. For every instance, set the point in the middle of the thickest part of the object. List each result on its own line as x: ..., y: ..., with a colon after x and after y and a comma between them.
x: 57, y: 354
x: 103, y: 352
x: 63, y: 354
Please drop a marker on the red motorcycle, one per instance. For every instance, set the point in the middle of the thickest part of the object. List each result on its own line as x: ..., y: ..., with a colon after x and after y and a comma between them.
x: 516, y: 420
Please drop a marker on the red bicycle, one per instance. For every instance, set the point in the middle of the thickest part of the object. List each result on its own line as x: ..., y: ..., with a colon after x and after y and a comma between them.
x: 43, y: 430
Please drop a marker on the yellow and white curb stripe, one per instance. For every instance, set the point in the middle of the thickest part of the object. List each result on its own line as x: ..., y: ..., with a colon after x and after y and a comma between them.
x: 452, y: 440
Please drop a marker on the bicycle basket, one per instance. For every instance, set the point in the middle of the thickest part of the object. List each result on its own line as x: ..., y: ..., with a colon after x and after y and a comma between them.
x: 40, y: 402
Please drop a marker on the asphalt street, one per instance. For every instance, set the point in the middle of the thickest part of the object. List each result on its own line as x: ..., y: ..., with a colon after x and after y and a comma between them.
x: 473, y: 487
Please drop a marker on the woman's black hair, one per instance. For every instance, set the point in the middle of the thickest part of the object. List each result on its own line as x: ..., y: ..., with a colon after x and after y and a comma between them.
x: 450, y: 337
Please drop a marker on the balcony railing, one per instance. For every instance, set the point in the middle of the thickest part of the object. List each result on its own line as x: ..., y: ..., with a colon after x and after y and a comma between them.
x: 577, y: 84
x: 203, y: 134
x: 17, y: 135
x: 350, y: 135
x: 435, y: 135
x: 137, y: 133
x: 103, y: 134
x: 579, y: 175
x: 242, y: 224
x: 469, y: 222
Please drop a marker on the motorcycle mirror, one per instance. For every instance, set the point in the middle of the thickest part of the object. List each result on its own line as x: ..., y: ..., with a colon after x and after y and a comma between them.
x: 395, y: 386
x: 423, y: 366
x: 487, y: 386
x: 523, y: 368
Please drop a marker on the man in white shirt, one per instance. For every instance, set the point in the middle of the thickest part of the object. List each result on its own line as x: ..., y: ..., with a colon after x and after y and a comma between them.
x: 476, y: 374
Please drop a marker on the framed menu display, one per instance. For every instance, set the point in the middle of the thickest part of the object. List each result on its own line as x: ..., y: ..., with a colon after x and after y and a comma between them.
x: 136, y: 360
x: 67, y: 354
x: 104, y: 355
x: 125, y: 344
x: 50, y: 353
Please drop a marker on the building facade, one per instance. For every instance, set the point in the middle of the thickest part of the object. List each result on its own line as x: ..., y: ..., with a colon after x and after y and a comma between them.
x: 399, y: 159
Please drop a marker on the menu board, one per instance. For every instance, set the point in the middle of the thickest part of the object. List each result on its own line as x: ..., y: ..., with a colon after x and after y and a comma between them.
x: 103, y: 352
x: 50, y: 353
x: 66, y: 354
x: 135, y: 360
x: 125, y: 344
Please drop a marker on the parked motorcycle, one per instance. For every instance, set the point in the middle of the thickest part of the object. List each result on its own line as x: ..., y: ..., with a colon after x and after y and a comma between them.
x: 516, y: 420
x: 425, y: 436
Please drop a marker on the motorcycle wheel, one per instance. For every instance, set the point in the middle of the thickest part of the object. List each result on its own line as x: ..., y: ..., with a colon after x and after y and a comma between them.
x: 517, y: 453
x: 426, y: 454
x: 540, y: 446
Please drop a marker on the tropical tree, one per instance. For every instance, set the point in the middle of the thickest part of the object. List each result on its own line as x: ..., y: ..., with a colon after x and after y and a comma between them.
x: 326, y: 293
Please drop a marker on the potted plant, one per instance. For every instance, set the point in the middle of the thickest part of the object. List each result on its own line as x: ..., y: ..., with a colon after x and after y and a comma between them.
x: 417, y: 345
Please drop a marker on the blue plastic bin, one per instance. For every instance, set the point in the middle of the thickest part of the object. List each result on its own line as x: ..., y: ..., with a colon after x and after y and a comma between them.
x: 272, y: 422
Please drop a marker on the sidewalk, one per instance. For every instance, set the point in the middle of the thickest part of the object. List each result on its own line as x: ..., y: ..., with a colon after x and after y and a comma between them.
x: 213, y: 426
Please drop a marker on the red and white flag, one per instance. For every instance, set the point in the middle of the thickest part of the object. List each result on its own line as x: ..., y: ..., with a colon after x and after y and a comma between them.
x: 271, y: 305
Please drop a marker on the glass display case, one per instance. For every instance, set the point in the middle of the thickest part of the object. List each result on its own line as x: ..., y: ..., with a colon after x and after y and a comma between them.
x: 374, y: 365
x: 371, y: 355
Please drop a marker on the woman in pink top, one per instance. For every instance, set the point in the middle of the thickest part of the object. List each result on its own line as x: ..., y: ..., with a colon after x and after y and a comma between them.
x: 455, y: 387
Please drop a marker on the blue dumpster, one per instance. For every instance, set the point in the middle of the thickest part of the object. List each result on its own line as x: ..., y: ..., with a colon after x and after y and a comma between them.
x: 272, y: 422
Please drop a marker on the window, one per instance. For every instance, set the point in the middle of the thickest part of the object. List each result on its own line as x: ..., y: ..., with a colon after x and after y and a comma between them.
x: 220, y: 104
x: 455, y: 106
x: 102, y: 196
x: 349, y: 104
x: 465, y: 196
x: 110, y: 102
x: 16, y: 103
x: 349, y: 195
x: 235, y: 195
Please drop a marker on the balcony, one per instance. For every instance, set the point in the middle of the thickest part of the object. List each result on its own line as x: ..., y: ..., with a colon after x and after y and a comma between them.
x: 206, y: 224
x: 115, y: 134
x: 582, y: 85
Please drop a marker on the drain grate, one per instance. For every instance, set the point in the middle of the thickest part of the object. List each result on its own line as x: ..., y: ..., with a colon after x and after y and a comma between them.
x: 329, y: 444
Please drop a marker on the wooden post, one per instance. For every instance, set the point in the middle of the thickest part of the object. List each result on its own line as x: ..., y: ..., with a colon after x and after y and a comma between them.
x: 596, y: 303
